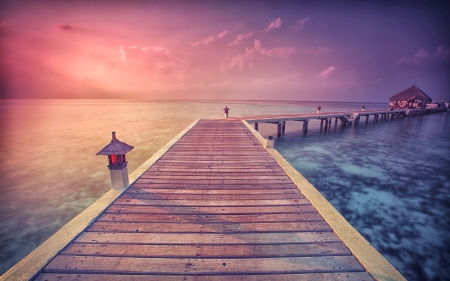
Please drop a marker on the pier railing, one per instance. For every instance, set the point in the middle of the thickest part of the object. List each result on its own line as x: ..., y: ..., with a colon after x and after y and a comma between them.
x: 344, y: 118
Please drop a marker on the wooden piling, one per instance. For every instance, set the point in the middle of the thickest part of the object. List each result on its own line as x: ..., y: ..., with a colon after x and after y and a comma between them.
x: 305, y: 126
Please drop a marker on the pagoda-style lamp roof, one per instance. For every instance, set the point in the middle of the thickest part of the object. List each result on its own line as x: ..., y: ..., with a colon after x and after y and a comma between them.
x: 411, y: 94
x: 115, y: 147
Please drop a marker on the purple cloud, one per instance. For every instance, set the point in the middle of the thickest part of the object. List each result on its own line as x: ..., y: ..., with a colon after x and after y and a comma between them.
x: 240, y: 61
x: 422, y: 56
x: 239, y: 39
x: 210, y: 39
x: 443, y: 53
x: 326, y: 72
x: 275, y: 24
x: 300, y: 24
x: 278, y: 51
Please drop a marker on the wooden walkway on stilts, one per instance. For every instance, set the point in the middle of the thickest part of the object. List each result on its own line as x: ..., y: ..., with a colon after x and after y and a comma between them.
x: 215, y: 207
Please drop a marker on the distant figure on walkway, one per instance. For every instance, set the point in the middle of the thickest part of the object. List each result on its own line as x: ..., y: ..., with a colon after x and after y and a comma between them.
x: 318, y: 109
x: 225, y: 110
x: 363, y: 107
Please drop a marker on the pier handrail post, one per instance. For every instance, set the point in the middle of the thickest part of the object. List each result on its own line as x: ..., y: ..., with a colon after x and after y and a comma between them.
x: 269, y: 142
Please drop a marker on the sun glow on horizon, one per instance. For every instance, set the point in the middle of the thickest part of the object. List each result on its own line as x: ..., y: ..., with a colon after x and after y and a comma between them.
x: 234, y: 51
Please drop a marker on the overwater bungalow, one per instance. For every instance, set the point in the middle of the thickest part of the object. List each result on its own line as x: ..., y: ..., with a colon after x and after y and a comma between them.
x: 410, y: 98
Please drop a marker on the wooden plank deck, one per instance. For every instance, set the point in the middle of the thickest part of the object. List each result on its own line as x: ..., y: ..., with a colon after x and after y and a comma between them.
x: 215, y: 207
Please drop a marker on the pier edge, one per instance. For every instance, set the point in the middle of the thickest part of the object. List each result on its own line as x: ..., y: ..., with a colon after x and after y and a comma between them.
x: 369, y: 257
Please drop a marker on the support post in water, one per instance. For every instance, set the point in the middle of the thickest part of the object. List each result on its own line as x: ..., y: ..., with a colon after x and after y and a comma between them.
x: 269, y: 143
x: 326, y: 124
x: 279, y: 129
x: 283, y: 127
x: 116, y: 151
x: 305, y: 126
x: 256, y: 126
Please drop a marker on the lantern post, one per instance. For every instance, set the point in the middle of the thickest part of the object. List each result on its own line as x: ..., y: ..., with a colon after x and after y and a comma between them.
x: 116, y: 151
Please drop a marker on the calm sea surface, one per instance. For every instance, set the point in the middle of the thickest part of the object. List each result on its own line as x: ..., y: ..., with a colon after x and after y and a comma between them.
x: 390, y: 180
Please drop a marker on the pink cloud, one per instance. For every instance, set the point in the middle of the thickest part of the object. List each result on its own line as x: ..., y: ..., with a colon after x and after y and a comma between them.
x: 278, y: 51
x: 239, y: 39
x: 326, y: 72
x: 300, y: 24
x: 143, y: 63
x: 275, y: 24
x: 210, y: 39
x: 246, y: 60
x: 222, y: 34
x: 241, y: 61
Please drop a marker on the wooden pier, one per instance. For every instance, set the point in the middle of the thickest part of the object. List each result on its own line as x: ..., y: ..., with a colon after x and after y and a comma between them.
x: 344, y: 118
x: 216, y: 206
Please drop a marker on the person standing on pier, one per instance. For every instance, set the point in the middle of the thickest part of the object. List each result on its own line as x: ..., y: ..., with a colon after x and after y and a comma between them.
x: 363, y: 107
x: 225, y: 110
x: 318, y: 109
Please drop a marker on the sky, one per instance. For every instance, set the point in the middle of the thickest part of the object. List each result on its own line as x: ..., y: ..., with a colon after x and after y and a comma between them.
x: 249, y: 50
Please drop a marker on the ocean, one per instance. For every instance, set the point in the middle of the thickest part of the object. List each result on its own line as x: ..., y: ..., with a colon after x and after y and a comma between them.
x: 389, y: 179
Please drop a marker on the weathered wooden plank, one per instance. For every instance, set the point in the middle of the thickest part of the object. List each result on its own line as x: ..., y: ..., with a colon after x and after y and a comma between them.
x: 348, y: 276
x: 217, y: 157
x: 115, y: 208
x: 214, y: 176
x: 133, y: 190
x: 226, y: 169
x: 207, y: 238
x: 196, y: 227
x: 186, y: 186
x: 210, y: 217
x: 250, y: 149
x: 212, y: 203
x: 155, y: 173
x: 253, y: 149
x: 208, y: 251
x: 214, y: 169
x: 217, y: 181
x: 168, y: 196
x: 220, y: 155
x: 220, y: 162
x: 92, y: 264
x: 218, y: 176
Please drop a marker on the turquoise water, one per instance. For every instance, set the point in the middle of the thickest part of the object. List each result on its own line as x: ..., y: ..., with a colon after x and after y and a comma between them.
x: 389, y: 179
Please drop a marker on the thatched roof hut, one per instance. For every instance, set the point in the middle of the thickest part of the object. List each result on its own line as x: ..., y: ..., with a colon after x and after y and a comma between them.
x: 410, y: 96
